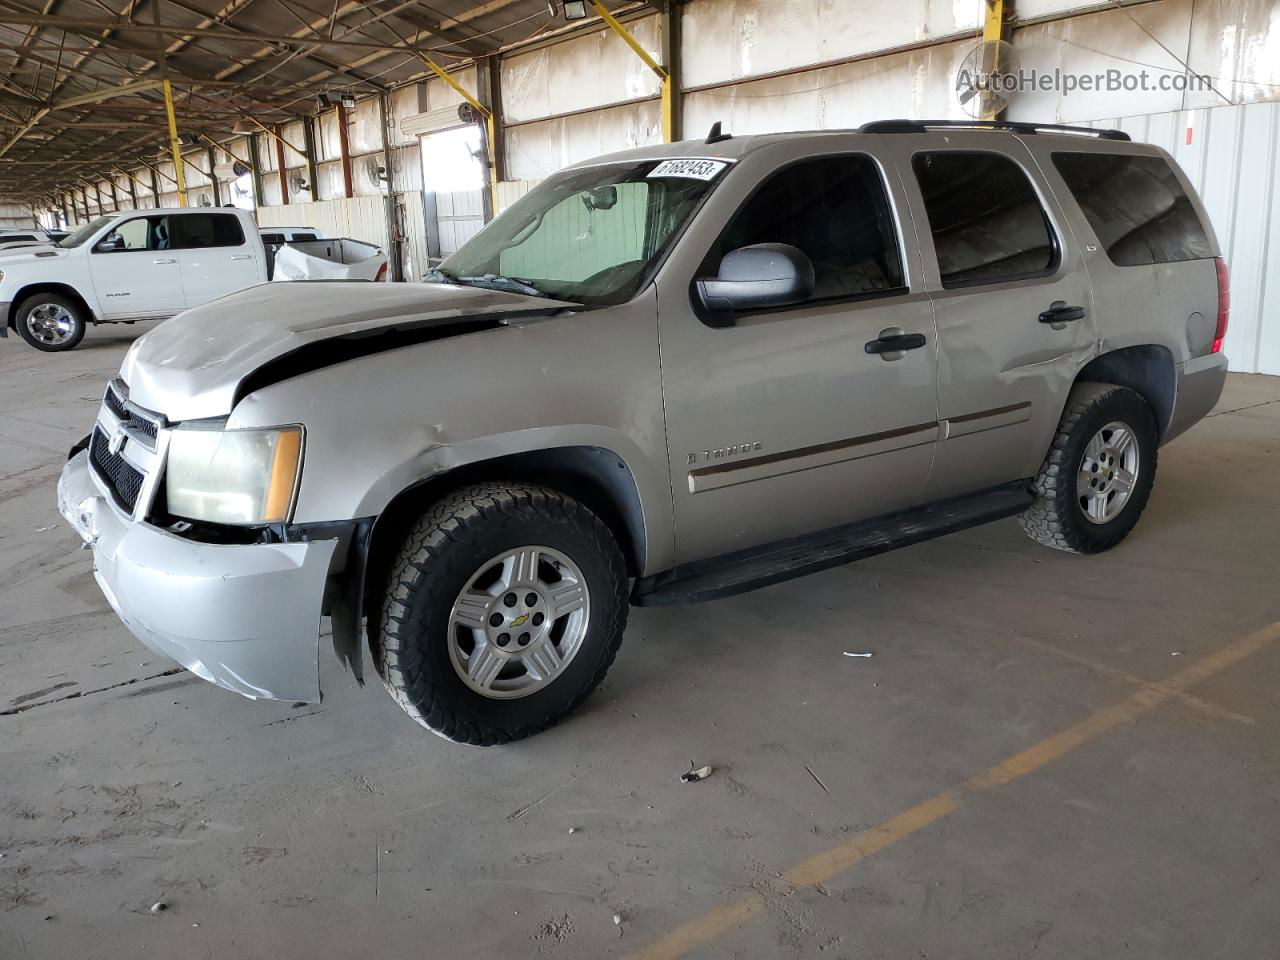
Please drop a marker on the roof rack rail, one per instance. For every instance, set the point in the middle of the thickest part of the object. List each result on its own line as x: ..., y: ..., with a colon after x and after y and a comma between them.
x: 923, y: 126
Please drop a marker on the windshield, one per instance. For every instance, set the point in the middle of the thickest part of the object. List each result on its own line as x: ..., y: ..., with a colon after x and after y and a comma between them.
x: 84, y: 233
x: 590, y: 235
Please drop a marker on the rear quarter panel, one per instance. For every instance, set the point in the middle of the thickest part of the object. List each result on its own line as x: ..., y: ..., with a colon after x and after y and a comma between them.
x: 1173, y: 305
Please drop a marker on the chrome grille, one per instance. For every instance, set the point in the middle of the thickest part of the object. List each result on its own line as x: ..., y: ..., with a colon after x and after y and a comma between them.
x: 133, y: 419
x: 122, y: 477
x: 126, y: 450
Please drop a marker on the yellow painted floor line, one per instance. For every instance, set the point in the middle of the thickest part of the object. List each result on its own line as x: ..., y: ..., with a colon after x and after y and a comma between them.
x: 823, y: 866
x: 1106, y: 670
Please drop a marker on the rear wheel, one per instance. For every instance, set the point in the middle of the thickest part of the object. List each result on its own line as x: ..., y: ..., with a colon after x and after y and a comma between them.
x: 50, y: 322
x: 503, y: 611
x: 1097, y: 477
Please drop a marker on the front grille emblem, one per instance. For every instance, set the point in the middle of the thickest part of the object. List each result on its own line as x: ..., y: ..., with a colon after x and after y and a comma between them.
x: 115, y: 443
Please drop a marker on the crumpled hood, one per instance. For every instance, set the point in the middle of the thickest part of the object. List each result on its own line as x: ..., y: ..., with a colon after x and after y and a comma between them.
x: 191, y: 366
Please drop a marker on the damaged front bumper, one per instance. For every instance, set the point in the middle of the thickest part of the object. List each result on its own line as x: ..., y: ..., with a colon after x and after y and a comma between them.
x: 245, y: 617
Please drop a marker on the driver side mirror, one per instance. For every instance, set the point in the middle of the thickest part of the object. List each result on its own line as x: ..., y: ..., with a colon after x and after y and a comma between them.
x: 761, y: 275
x: 111, y: 244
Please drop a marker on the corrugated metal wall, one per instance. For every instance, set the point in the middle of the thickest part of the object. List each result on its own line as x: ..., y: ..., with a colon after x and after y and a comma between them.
x: 1232, y: 155
x: 360, y: 218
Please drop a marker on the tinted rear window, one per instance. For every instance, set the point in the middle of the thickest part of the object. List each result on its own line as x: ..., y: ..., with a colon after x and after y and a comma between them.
x: 197, y: 230
x: 1136, y: 206
x: 986, y: 220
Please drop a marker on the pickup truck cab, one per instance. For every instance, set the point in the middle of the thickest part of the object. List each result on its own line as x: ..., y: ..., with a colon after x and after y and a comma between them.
x: 127, y: 266
x: 662, y: 376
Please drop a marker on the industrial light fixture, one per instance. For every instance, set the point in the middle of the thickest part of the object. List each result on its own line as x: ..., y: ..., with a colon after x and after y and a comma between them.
x: 575, y: 9
x: 328, y: 99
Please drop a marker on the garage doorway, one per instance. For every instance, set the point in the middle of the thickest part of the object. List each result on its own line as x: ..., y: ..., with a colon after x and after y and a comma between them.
x: 453, y: 188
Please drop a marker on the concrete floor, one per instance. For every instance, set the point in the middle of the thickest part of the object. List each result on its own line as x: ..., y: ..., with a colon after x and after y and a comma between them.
x: 849, y: 814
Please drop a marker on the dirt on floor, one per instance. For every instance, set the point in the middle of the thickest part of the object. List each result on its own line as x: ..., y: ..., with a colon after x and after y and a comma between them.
x: 1046, y: 755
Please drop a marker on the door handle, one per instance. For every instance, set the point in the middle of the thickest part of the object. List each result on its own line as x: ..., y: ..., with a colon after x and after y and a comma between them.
x: 241, y: 256
x: 166, y: 260
x: 892, y: 344
x: 1060, y: 313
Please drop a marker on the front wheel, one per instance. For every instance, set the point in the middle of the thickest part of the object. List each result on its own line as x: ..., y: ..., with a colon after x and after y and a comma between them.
x: 50, y: 322
x: 502, y: 612
x: 1097, y: 477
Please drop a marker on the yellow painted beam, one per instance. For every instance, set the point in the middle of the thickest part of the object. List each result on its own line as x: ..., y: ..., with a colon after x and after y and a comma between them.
x: 174, y: 146
x: 629, y: 40
x: 992, y: 34
x: 668, y: 105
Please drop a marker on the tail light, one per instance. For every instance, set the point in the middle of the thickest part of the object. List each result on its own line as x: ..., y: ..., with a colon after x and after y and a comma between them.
x: 1224, y: 304
x: 382, y: 275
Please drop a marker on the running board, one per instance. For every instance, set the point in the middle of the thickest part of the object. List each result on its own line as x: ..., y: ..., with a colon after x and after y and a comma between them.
x: 782, y: 560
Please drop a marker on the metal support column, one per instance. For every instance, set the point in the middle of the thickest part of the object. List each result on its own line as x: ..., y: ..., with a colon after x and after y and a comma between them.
x: 213, y: 177
x: 488, y: 93
x: 175, y: 147
x: 672, y: 98
x: 344, y: 149
x: 668, y: 93
x: 115, y: 197
x: 313, y: 170
x: 395, y: 235
x: 155, y: 186
x: 992, y: 34
x: 133, y: 189
x: 255, y: 168
x: 280, y: 170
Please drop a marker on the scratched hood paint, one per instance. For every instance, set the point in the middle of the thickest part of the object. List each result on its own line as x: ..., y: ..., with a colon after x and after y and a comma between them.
x: 189, y: 367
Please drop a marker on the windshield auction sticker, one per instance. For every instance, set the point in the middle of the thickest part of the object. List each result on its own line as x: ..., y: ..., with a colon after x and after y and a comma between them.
x: 692, y: 169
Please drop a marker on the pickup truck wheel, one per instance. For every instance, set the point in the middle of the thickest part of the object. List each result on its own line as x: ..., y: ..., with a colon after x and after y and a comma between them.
x: 1097, y: 477
x: 50, y: 322
x: 503, y: 611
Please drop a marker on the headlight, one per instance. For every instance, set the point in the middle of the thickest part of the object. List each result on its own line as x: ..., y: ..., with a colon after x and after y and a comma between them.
x: 233, y: 476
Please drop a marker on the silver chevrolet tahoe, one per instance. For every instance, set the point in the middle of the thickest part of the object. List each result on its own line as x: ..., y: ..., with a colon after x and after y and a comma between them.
x: 666, y: 375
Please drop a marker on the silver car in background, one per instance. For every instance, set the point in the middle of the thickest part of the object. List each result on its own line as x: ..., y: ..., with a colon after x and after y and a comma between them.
x: 666, y: 375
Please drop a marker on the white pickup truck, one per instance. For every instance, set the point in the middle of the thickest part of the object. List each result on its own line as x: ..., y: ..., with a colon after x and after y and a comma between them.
x: 129, y: 266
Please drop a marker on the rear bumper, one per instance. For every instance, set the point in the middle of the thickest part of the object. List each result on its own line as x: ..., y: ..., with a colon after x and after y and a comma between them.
x: 245, y: 617
x: 1200, y: 383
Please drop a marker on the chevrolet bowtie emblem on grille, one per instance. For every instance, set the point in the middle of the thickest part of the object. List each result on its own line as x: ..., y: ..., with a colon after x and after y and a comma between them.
x: 519, y: 621
x: 115, y: 443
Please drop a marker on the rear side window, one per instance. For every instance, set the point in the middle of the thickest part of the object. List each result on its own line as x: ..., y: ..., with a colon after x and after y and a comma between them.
x: 303, y: 237
x: 272, y: 239
x: 199, y: 230
x: 1136, y: 206
x: 836, y: 211
x: 987, y: 223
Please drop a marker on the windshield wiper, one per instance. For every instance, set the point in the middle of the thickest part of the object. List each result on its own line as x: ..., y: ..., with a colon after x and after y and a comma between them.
x: 498, y: 282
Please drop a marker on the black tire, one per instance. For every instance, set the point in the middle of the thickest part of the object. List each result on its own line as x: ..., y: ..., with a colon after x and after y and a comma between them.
x: 440, y: 555
x: 33, y: 302
x: 1056, y: 518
